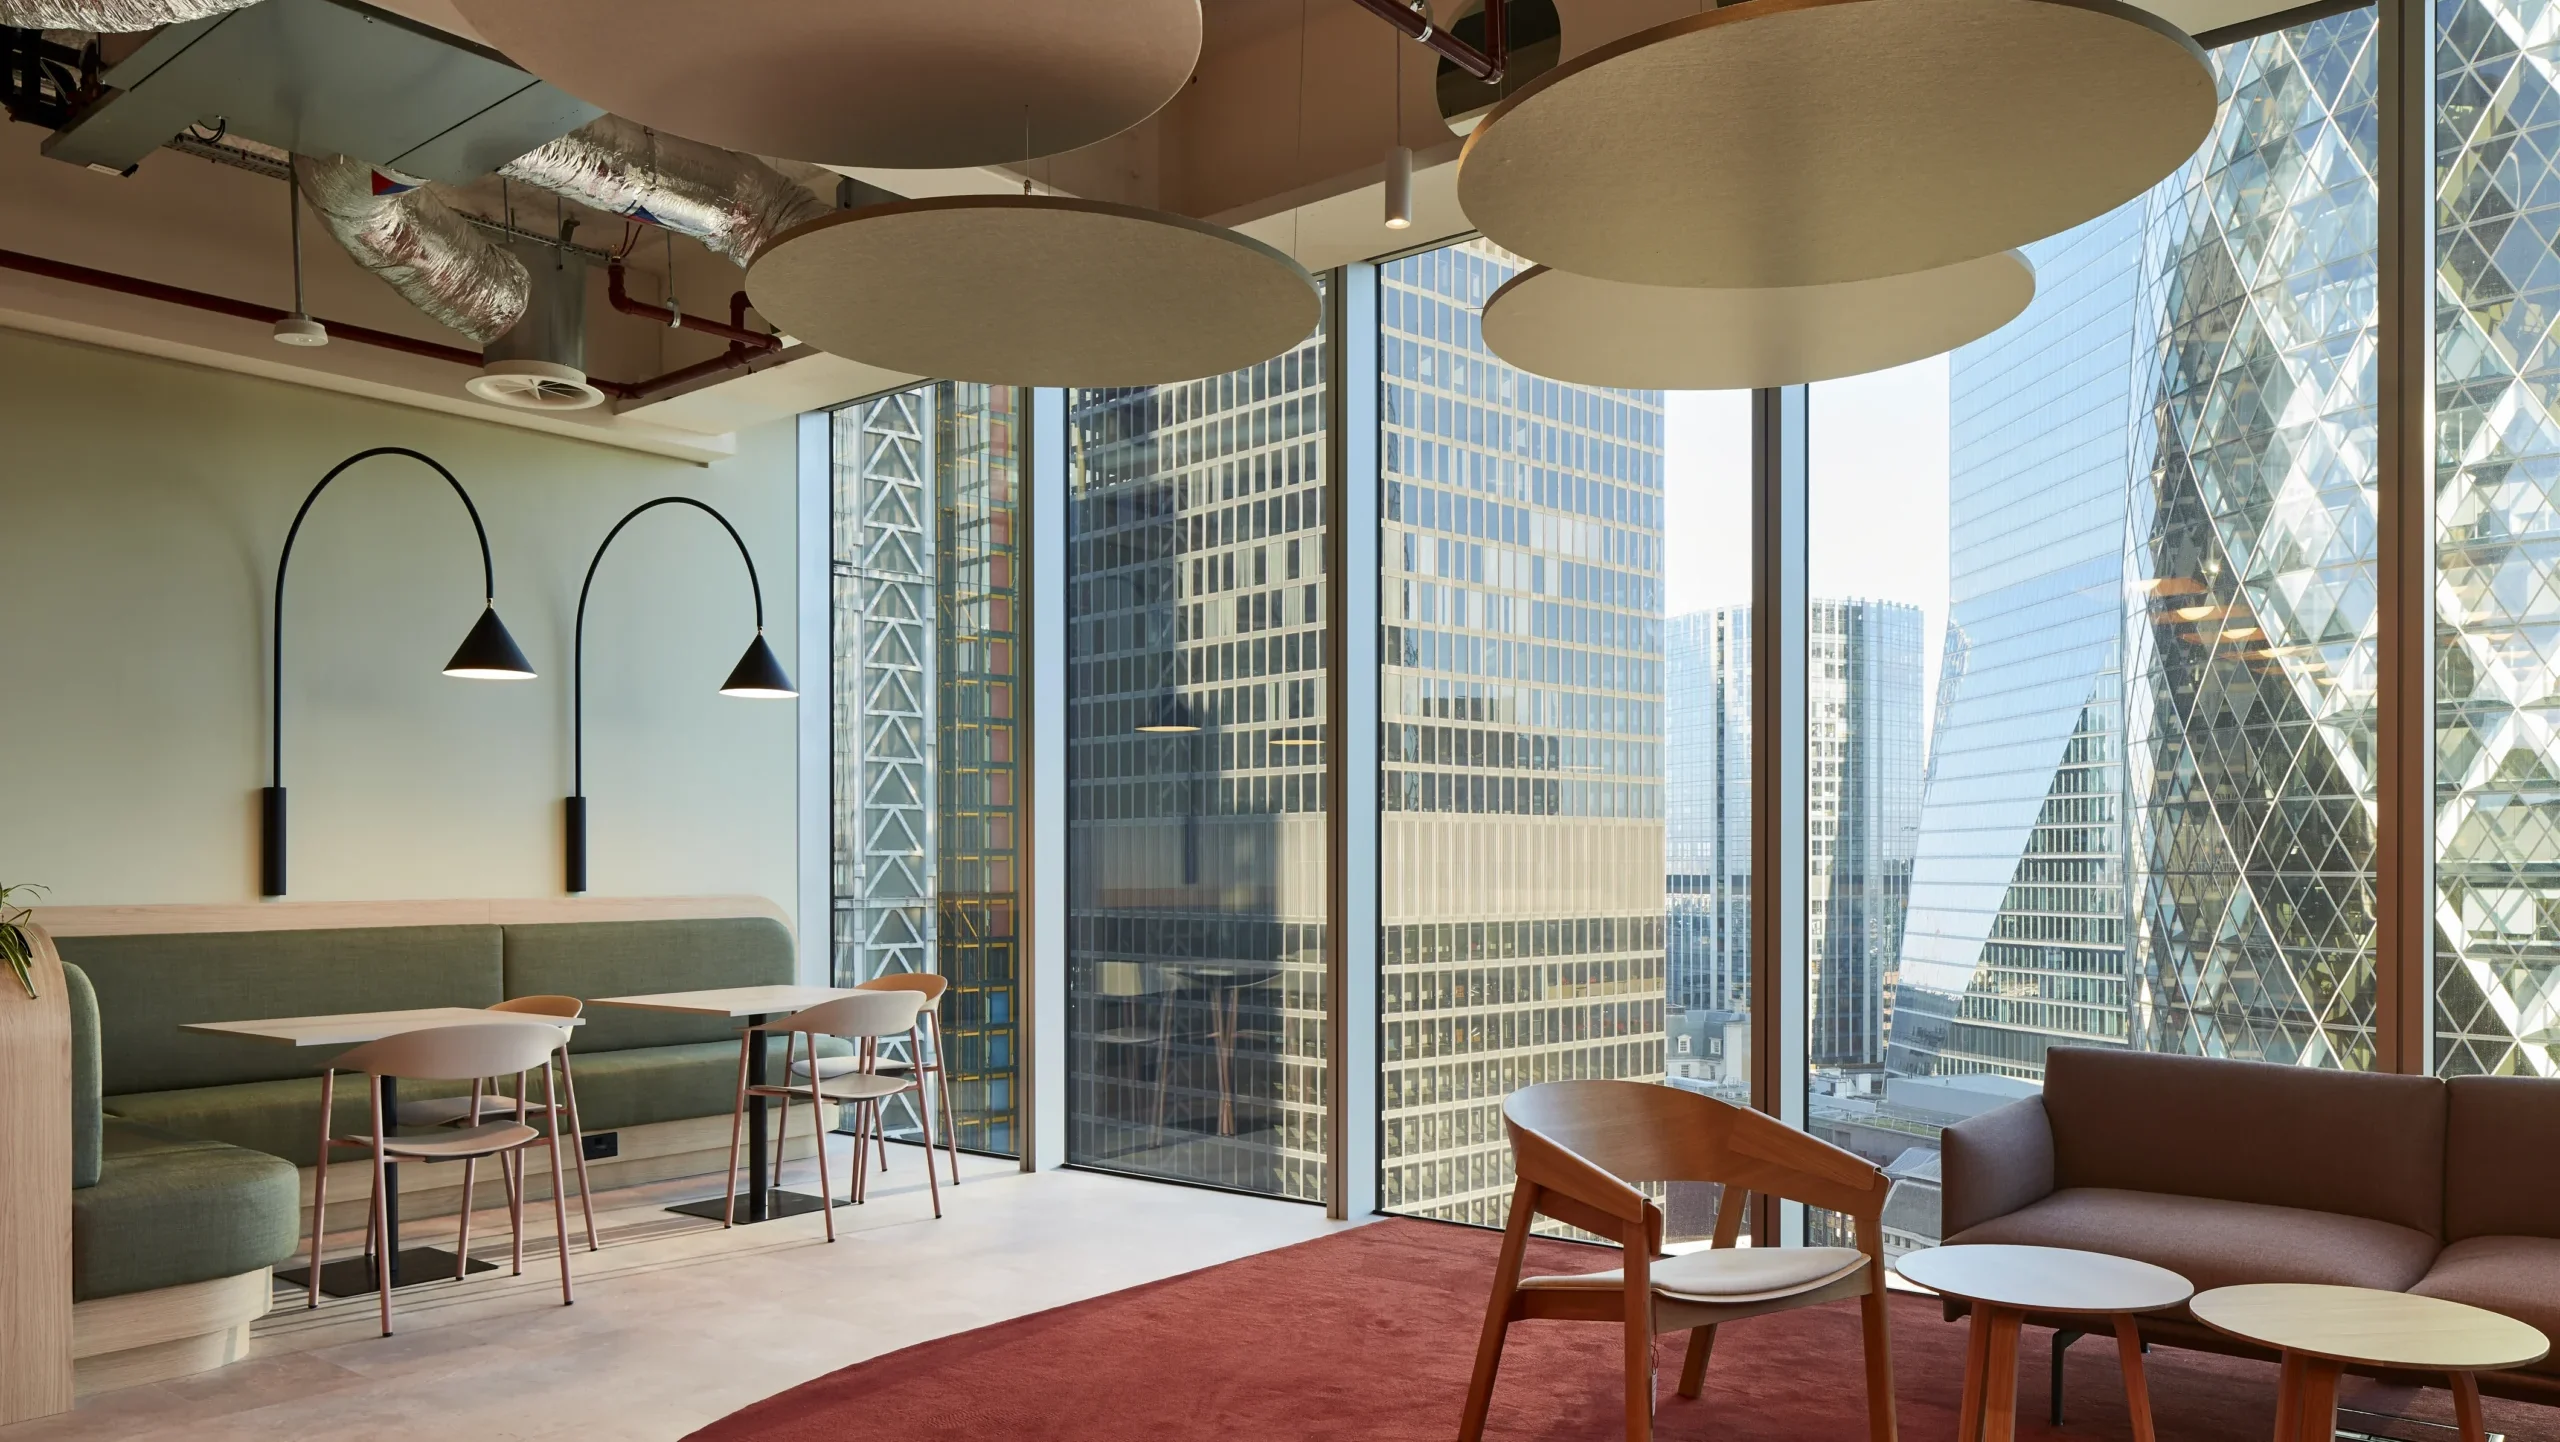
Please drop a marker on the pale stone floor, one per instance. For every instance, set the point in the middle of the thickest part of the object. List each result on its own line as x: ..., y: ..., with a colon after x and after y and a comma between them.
x: 678, y: 1322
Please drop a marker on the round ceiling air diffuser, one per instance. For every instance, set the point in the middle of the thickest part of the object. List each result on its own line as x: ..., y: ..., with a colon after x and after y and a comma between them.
x: 533, y: 385
x: 861, y: 82
x: 1807, y: 142
x: 1033, y: 290
x: 1650, y: 337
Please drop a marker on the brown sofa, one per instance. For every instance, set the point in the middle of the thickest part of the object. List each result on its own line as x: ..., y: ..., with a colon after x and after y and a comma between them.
x: 2229, y: 1172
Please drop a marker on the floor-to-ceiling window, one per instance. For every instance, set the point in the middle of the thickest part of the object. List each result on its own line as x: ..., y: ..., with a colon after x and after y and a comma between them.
x: 2091, y: 729
x: 1197, y: 607
x: 927, y: 743
x: 1549, y: 907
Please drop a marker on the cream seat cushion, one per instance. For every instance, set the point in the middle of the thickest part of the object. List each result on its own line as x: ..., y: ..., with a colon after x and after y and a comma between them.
x: 1726, y: 1274
x: 836, y: 1066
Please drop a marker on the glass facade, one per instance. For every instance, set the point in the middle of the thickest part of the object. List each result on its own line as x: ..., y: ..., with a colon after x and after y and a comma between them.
x: 1521, y: 806
x: 927, y: 870
x: 1196, y: 769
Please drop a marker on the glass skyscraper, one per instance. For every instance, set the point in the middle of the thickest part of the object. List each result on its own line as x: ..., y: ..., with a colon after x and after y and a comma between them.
x: 1707, y: 826
x: 1521, y: 794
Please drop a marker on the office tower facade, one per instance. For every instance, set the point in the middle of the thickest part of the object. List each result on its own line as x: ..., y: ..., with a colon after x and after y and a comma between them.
x: 925, y: 683
x: 1707, y: 826
x: 1195, y: 789
x: 1521, y: 788
x: 1863, y: 717
x: 2015, y: 940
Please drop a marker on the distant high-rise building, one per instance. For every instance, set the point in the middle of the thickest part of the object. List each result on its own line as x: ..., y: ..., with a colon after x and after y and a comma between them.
x: 1707, y: 831
x: 1521, y: 807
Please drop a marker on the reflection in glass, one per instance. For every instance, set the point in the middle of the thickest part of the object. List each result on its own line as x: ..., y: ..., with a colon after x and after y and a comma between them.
x: 1196, y: 767
x: 926, y: 672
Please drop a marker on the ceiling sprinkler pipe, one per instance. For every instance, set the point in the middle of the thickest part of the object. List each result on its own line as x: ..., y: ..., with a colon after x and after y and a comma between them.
x: 736, y: 333
x: 1485, y: 65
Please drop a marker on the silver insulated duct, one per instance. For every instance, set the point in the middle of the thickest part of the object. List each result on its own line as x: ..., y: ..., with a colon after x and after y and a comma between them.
x: 541, y: 364
x: 417, y: 244
x: 733, y: 203
x: 110, y: 17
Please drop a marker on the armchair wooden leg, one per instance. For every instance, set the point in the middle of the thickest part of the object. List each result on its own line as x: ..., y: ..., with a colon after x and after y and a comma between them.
x: 1497, y: 1314
x: 1693, y: 1367
x: 1877, y: 1343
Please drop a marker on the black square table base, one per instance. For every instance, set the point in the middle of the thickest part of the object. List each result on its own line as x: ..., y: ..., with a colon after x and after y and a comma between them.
x: 354, y: 1276
x: 776, y: 1204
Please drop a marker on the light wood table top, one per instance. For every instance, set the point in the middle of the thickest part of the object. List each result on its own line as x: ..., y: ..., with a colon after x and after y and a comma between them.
x: 2046, y: 1279
x: 729, y: 1000
x: 2372, y: 1328
x: 349, y: 1028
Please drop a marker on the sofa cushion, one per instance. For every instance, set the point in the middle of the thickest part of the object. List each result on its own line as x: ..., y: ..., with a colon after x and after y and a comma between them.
x: 669, y: 1083
x: 2519, y: 1276
x: 2215, y: 1243
x: 150, y: 986
x: 589, y: 959
x: 168, y: 1211
x: 2363, y: 1144
x: 85, y: 1114
x: 2502, y: 1157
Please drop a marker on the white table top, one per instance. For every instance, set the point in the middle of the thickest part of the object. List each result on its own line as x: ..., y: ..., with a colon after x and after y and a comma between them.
x: 730, y: 1000
x: 2046, y: 1279
x: 349, y: 1028
x: 2383, y: 1329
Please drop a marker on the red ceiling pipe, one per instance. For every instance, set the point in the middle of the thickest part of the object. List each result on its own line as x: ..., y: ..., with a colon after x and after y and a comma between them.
x: 735, y: 332
x: 1485, y: 65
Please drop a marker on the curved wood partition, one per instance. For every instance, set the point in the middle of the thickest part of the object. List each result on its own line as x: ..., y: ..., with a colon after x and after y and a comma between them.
x: 35, y: 1190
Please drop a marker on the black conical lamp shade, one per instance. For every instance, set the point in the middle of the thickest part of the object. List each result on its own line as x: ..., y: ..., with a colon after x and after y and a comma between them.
x: 759, y: 675
x: 1171, y: 718
x: 489, y: 653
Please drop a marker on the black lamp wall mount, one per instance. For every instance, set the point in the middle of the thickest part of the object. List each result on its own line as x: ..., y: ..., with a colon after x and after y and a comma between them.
x: 757, y: 676
x: 488, y: 653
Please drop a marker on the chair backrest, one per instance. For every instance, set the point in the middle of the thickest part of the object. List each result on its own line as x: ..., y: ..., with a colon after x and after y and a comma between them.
x: 456, y: 1053
x: 865, y: 1013
x: 928, y: 984
x: 561, y: 1006
x: 1594, y: 1141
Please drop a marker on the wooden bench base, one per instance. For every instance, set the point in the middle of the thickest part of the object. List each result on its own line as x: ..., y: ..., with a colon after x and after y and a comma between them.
x: 172, y: 1332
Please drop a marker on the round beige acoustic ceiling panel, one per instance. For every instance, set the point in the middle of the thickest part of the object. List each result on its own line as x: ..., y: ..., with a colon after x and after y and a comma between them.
x: 861, y: 82
x: 1033, y: 291
x: 1806, y: 142
x: 1646, y: 337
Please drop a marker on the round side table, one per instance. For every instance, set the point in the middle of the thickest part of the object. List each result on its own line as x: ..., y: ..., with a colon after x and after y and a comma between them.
x: 2322, y: 1330
x: 2004, y: 1284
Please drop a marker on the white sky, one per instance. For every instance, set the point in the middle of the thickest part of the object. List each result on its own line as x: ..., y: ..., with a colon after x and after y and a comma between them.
x: 1879, y: 502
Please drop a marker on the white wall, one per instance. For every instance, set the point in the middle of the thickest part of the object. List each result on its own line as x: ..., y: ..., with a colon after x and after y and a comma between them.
x: 142, y: 504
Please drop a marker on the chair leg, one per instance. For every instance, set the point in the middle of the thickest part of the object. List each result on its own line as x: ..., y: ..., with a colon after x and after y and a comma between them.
x: 1877, y: 1342
x: 880, y: 1114
x: 462, y: 1237
x: 924, y: 1118
x: 559, y: 1183
x: 826, y: 1183
x: 578, y: 1146
x: 515, y: 1218
x: 782, y: 1131
x: 1497, y: 1315
x: 942, y: 1089
x: 1693, y: 1367
x: 737, y: 1117
x: 320, y: 1184
x: 381, y: 1195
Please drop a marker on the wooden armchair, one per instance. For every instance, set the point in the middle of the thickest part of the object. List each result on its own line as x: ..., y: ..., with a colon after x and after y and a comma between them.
x: 1580, y: 1147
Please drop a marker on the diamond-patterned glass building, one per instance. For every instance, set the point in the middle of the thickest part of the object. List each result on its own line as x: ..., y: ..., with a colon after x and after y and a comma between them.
x: 2497, y: 967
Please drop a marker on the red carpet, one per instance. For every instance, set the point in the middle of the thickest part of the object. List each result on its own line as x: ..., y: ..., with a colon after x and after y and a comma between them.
x: 1368, y: 1336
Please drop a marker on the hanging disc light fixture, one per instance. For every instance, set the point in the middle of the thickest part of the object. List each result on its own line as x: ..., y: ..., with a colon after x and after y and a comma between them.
x: 859, y: 82
x: 1807, y: 142
x: 1033, y: 290
x: 1647, y: 337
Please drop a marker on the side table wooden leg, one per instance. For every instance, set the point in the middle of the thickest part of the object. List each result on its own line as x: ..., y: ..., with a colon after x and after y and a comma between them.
x: 2000, y: 1379
x: 2137, y: 1395
x: 1977, y: 1358
x: 2319, y: 1399
x: 2289, y: 1399
x: 2466, y: 1408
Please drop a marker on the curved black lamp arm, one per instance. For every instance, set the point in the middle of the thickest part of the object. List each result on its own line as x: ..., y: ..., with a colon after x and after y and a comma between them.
x: 578, y: 666
x: 488, y: 576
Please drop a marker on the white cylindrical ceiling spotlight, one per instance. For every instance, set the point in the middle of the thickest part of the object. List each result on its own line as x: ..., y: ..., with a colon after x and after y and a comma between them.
x: 1789, y: 143
x: 1400, y: 187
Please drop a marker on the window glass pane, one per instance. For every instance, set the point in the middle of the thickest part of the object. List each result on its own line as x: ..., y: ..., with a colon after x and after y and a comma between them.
x: 1527, y: 682
x: 1196, y: 774
x: 927, y: 669
x: 2497, y: 964
x: 2115, y: 564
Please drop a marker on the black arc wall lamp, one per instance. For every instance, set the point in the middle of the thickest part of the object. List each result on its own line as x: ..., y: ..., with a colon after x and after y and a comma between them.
x: 757, y: 676
x: 488, y: 653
